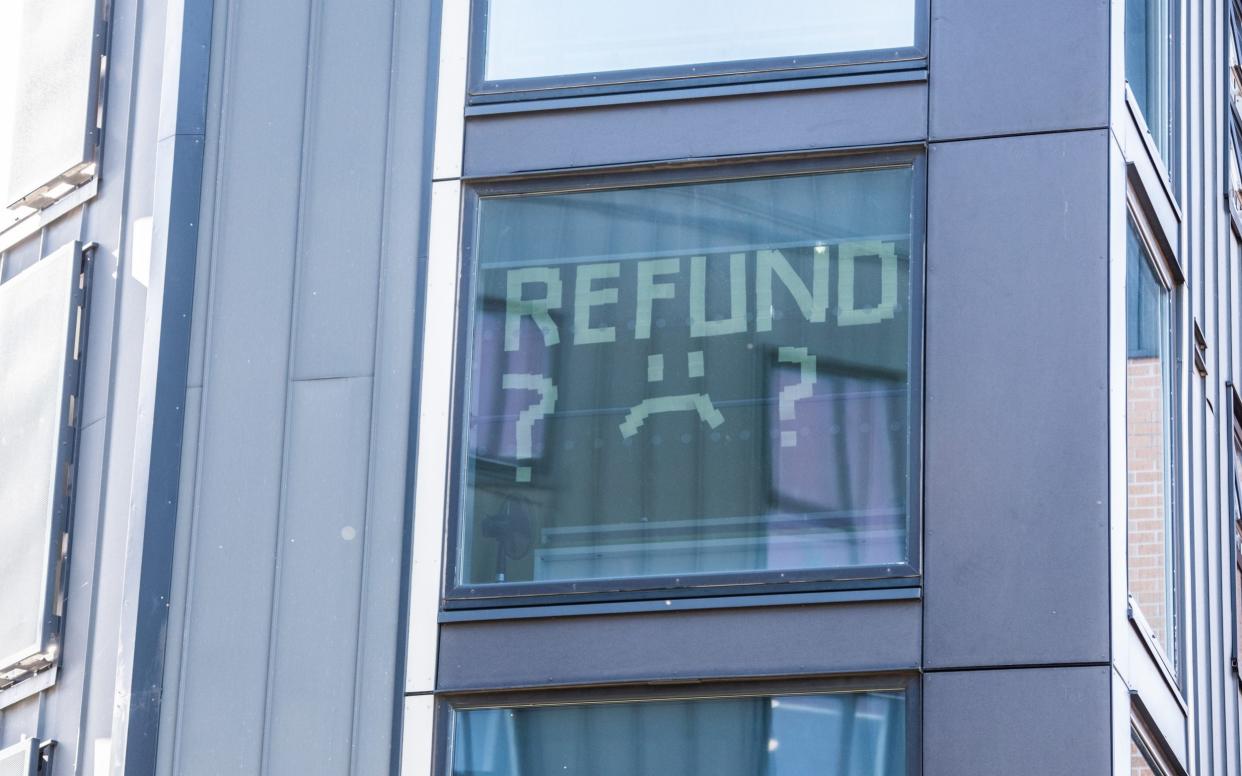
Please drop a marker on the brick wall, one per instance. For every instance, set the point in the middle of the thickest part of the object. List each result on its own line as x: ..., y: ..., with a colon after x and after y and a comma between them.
x: 1145, y: 495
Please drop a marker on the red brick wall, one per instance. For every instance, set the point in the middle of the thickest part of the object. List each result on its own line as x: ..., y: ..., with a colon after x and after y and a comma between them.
x: 1146, y: 453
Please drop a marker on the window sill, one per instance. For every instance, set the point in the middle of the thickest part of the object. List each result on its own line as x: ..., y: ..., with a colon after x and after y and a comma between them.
x: 724, y: 87
x: 684, y: 604
x: 1167, y: 243
x: 1144, y: 631
x: 15, y: 232
x: 28, y: 686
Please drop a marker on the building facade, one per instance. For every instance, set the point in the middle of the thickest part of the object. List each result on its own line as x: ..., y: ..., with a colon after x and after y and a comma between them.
x: 499, y: 388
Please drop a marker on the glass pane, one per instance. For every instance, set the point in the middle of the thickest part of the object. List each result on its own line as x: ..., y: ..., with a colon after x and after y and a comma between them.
x: 1148, y: 55
x: 1237, y: 587
x: 707, y: 377
x: 1237, y: 548
x: 846, y: 734
x: 1149, y: 410
x: 533, y: 38
x: 1139, y: 764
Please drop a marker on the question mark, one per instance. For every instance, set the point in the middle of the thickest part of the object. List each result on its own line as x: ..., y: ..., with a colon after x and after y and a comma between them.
x: 527, y: 417
x: 792, y: 393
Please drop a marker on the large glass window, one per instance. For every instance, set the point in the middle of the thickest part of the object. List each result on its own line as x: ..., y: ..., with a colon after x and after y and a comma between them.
x: 686, y: 382
x: 841, y: 734
x: 1149, y: 58
x: 587, y: 42
x: 1151, y: 527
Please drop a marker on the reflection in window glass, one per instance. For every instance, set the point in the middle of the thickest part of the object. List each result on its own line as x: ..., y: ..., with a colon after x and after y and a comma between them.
x: 1149, y: 412
x: 534, y: 38
x: 694, y: 378
x: 844, y: 734
x: 1148, y: 67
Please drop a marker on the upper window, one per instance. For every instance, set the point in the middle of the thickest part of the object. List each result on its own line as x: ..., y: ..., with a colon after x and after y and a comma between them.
x: 540, y: 44
x: 50, y: 67
x: 1152, y: 527
x: 845, y: 733
x: 1149, y: 68
x: 689, y: 384
x: 1235, y: 124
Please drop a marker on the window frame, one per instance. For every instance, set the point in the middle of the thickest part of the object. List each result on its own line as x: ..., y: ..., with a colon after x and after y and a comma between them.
x: 1145, y: 735
x: 1168, y: 273
x: 1234, y: 524
x: 481, y: 91
x: 603, y: 590
x: 1233, y: 121
x: 448, y: 705
x: 1168, y: 164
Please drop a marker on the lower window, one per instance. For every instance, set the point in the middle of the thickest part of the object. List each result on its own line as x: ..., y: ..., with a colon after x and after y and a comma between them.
x: 690, y: 379
x: 838, y: 733
x: 1152, y: 524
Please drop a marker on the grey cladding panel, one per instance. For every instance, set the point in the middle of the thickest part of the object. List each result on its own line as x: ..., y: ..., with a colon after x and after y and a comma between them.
x: 1016, y: 402
x: 788, y: 121
x: 1026, y: 722
x: 57, y: 80
x: 320, y: 578
x: 20, y: 759
x: 763, y: 641
x: 1010, y: 66
x: 38, y: 318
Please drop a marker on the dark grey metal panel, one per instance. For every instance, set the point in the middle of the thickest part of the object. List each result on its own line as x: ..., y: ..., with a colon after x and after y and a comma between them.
x: 20, y: 759
x: 1026, y: 722
x: 1016, y: 522
x: 57, y: 79
x: 877, y: 114
x: 38, y: 374
x: 765, y: 641
x: 1008, y: 66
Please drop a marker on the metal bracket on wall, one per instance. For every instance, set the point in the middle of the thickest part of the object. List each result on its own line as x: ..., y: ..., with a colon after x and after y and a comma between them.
x: 1201, y: 348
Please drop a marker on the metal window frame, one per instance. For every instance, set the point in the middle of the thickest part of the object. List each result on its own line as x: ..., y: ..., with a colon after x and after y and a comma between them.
x: 1145, y: 733
x: 1171, y: 665
x: 482, y: 91
x: 509, y: 594
x: 907, y: 683
x: 1233, y: 119
x: 1234, y: 521
x: 42, y: 658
